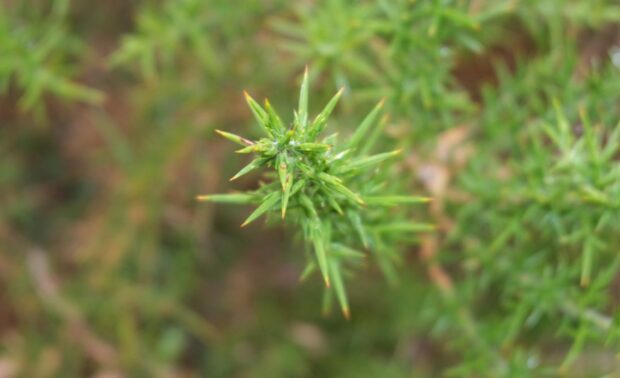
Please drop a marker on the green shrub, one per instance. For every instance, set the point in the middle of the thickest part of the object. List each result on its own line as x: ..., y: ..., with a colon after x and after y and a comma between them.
x: 338, y: 201
x: 503, y: 112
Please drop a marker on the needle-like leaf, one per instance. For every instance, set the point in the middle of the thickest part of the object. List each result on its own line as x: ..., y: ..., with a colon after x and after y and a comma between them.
x: 302, y: 112
x: 275, y: 123
x: 259, y: 113
x: 235, y: 138
x: 268, y: 203
x: 248, y: 168
x: 394, y: 200
x: 367, y: 162
x: 336, y: 184
x: 336, y: 275
x: 321, y: 253
x: 239, y: 198
x: 362, y: 130
x: 314, y: 147
x: 320, y: 121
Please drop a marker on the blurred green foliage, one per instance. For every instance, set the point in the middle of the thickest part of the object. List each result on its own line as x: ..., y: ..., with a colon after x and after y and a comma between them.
x: 37, y: 50
x: 507, y: 114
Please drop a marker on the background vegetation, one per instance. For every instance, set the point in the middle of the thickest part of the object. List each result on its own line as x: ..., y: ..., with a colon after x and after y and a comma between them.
x: 507, y: 113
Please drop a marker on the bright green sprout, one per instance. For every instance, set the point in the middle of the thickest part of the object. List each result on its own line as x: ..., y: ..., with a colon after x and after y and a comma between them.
x: 331, y: 192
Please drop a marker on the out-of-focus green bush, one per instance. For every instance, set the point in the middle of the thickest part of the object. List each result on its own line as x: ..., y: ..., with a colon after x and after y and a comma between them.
x: 507, y: 112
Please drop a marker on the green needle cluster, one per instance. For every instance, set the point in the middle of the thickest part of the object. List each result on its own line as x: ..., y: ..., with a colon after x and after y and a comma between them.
x: 330, y: 191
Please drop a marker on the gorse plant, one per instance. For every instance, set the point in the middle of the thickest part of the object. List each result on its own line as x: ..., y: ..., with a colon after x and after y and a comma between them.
x: 505, y: 112
x: 332, y: 192
x: 36, y: 56
x: 162, y: 33
x: 549, y: 220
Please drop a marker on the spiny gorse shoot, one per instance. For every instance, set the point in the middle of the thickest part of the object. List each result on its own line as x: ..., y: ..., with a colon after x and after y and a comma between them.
x: 332, y: 192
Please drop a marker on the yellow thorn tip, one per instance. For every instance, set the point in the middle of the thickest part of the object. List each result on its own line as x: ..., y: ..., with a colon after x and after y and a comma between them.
x: 247, y: 96
x: 346, y: 313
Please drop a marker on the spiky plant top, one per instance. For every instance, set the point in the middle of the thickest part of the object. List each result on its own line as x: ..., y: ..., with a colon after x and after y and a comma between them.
x: 330, y: 191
